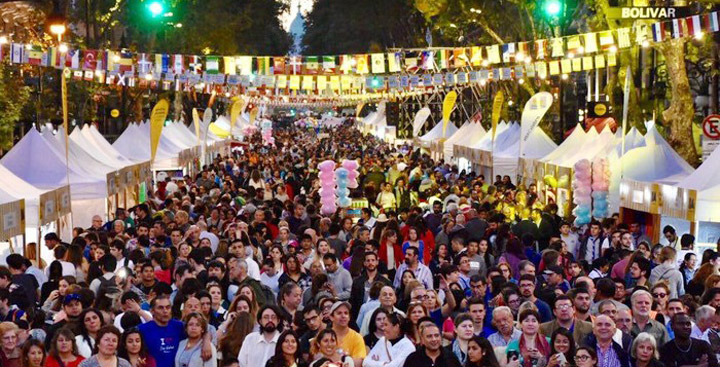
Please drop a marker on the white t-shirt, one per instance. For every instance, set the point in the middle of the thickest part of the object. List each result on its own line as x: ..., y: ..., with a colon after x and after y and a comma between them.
x: 572, y: 241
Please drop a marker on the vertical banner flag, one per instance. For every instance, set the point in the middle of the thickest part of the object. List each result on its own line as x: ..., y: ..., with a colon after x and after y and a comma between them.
x: 420, y: 118
x: 534, y: 110
x: 626, y: 102
x: 358, y: 109
x: 157, y: 120
x: 196, y: 121
x: 448, y: 106
x: 235, y: 110
x: 497, y: 109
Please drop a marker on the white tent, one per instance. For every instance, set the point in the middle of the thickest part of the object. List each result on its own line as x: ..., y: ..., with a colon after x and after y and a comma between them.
x: 134, y: 143
x: 507, y: 155
x: 16, y: 187
x: 37, y: 162
x: 92, y: 134
x: 706, y: 180
x: 655, y: 162
x: 573, y: 142
x: 437, y: 132
x: 592, y: 145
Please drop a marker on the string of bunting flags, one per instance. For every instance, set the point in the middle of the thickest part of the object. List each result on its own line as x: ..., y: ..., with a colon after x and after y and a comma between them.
x: 353, y: 76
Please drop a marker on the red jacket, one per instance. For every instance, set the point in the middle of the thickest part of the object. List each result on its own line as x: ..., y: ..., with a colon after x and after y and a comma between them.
x: 397, y: 253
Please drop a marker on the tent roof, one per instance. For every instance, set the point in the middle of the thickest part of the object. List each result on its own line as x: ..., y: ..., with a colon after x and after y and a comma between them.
x: 657, y: 161
x: 485, y: 142
x: 571, y: 143
x: 538, y: 145
x: 437, y: 130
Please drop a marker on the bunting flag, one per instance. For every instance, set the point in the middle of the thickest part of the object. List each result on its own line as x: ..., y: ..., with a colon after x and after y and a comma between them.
x: 658, y: 31
x: 459, y: 58
x: 346, y: 64
x: 281, y: 81
x: 378, y: 63
x: 90, y: 60
x: 599, y: 61
x: 263, y: 65
x: 522, y: 52
x: 677, y: 25
x: 606, y: 40
x: 557, y: 45
x: 361, y: 64
x: 541, y: 68
x: 328, y: 64
x: 441, y: 59
x: 394, y: 62
x: 411, y: 64
x: 35, y: 55
x: 493, y: 53
x: 711, y: 22
x: 178, y: 64
x: 574, y: 45
x: 322, y: 83
x: 195, y: 64
x: 476, y: 56
x: 311, y: 65
x: 508, y: 52
x: 162, y: 63
x: 144, y: 63
x: 624, y: 37
x: 591, y: 45
x: 244, y: 65
x: 694, y: 26
x: 279, y: 65
x: 335, y: 83
x: 540, y: 49
x: 72, y: 59
x: 55, y: 57
x: 554, y: 67
x: 212, y: 65
x: 230, y: 65
x: 426, y: 60
x: 643, y: 33
x: 125, y: 63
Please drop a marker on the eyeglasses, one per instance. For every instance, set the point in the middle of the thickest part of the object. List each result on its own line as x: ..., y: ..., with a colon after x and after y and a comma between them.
x: 582, y: 358
x: 310, y: 319
x: 424, y: 296
x: 660, y: 295
x: 562, y: 307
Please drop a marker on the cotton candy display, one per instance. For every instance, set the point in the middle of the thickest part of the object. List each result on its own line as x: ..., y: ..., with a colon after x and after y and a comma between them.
x: 582, y: 187
x: 352, y: 167
x: 600, y: 187
x: 266, y: 131
x: 343, y: 192
x: 327, y: 187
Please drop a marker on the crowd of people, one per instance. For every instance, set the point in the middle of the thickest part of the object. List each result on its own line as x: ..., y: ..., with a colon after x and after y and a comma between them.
x: 237, y: 267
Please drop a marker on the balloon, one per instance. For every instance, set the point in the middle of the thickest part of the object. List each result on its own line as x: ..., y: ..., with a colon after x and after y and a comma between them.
x: 353, y: 184
x: 550, y: 181
x: 328, y: 209
x: 326, y: 176
x: 341, y: 173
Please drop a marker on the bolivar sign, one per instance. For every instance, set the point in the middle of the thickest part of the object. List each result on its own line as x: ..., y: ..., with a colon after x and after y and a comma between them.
x: 649, y: 12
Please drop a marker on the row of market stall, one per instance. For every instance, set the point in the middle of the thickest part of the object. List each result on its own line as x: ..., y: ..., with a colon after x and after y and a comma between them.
x: 649, y: 182
x: 44, y: 187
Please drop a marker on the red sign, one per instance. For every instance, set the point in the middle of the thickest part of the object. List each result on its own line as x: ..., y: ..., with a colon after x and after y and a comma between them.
x: 711, y: 127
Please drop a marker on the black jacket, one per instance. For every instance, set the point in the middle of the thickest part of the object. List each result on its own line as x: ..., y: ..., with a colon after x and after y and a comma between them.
x: 622, y: 351
x: 418, y: 358
x: 357, y: 291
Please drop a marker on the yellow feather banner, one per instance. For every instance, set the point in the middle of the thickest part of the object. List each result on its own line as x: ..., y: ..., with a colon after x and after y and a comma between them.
x: 448, y: 105
x: 497, y: 109
x: 235, y: 110
x: 358, y: 109
x: 157, y: 120
x: 196, y: 121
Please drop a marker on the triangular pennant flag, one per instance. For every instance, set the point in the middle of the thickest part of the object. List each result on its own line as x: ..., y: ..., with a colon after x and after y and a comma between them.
x: 378, y: 63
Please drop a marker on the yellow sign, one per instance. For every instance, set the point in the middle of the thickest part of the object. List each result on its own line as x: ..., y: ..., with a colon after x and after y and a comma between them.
x: 358, y: 109
x: 196, y: 121
x: 497, y: 109
x: 600, y: 109
x: 114, y: 113
x: 235, y: 110
x: 157, y: 120
x: 448, y: 105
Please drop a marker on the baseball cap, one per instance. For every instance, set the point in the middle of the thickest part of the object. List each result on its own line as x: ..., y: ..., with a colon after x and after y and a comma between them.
x: 339, y: 304
x: 71, y: 297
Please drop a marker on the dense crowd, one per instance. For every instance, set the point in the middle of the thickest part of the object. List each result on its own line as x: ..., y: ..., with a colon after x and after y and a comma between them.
x: 435, y: 267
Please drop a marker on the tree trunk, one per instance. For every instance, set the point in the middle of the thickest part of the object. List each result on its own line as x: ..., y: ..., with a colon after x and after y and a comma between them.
x: 178, y: 106
x: 679, y: 116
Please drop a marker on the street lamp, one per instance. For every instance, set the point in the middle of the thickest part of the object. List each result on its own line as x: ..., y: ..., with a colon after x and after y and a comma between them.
x: 56, y: 23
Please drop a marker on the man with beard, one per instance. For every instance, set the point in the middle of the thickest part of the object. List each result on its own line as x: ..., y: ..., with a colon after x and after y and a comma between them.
x: 434, y: 219
x: 360, y: 290
x: 431, y: 353
x: 684, y: 350
x: 641, y: 302
x: 527, y: 291
x: 565, y: 318
x: 422, y: 272
x: 259, y: 346
x: 581, y: 301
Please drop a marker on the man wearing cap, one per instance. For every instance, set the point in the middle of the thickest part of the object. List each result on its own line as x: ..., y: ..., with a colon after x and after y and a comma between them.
x: 348, y: 340
x: 72, y: 307
x: 554, y: 281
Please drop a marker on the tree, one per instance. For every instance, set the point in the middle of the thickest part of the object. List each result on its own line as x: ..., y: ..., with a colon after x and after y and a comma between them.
x: 14, y: 97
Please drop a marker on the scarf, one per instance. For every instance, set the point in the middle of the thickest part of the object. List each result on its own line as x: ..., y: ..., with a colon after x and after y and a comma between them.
x: 458, y: 352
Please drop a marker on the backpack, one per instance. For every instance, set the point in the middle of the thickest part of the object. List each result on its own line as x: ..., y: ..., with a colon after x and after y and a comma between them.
x: 106, y: 284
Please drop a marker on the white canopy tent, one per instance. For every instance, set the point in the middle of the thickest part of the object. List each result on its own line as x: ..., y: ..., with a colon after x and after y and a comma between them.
x: 507, y: 155
x: 655, y: 162
x: 706, y: 180
x: 436, y: 132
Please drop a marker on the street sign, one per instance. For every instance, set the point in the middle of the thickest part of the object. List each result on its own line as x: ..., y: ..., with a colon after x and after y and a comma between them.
x: 708, y: 146
x: 114, y: 113
x: 711, y: 127
x: 649, y: 12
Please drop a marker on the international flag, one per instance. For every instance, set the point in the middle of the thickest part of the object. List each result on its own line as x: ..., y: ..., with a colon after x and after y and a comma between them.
x: 78, y: 74
x: 658, y: 31
x: 540, y: 51
x: 378, y: 63
x: 282, y: 81
x: 72, y: 59
x: 574, y: 44
x: 476, y: 56
x: 711, y: 22
x: 162, y: 63
x: 508, y: 52
x: 335, y: 82
x: 606, y: 40
x: 244, y: 65
x: 279, y: 65
x: 557, y: 47
x: 195, y: 64
x: 554, y: 67
x: 566, y: 66
x: 644, y: 32
x: 34, y: 55
x: 178, y: 64
x: 459, y: 58
x: 361, y: 64
x: 229, y: 65
x: 677, y: 28
x: 295, y: 65
x: 328, y: 65
x: 321, y: 83
x: 100, y: 64
x: 411, y: 62
x: 145, y: 66
x: 394, y: 60
x: 53, y: 57
x: 599, y: 61
x: 125, y: 64
x: 591, y: 45
x: 90, y: 59
x: 623, y: 37
x: 493, y: 53
x: 88, y: 75
x: 263, y: 65
x: 441, y: 59
x: 426, y: 60
x: 212, y: 65
x: 522, y: 52
x: 694, y: 25
x: 541, y: 69
x: 311, y: 65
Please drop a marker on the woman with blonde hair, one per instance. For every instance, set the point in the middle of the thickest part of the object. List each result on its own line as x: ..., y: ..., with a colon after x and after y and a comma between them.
x: 644, y: 351
x: 667, y: 270
x: 696, y: 285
